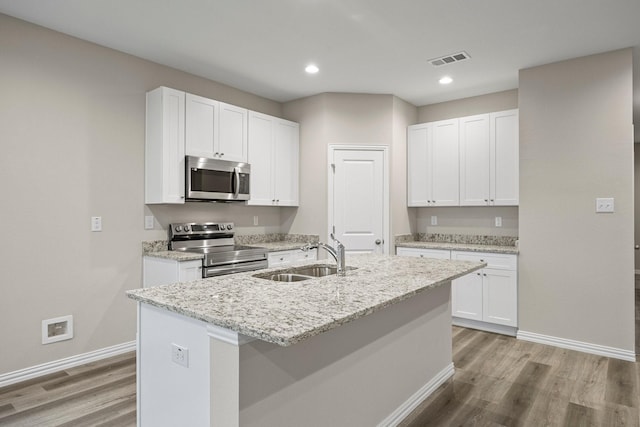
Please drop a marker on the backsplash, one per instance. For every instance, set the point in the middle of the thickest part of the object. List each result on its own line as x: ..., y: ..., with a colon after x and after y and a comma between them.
x: 251, y: 239
x: 458, y: 238
x: 154, y: 246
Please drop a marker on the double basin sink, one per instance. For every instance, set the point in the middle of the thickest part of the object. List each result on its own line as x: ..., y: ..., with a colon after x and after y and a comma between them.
x: 299, y: 274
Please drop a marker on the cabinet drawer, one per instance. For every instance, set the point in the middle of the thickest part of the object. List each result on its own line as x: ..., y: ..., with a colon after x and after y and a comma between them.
x: 497, y: 261
x: 424, y: 253
x: 276, y: 259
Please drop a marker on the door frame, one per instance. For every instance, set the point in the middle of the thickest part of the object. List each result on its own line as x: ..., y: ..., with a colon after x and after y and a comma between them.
x: 332, y: 148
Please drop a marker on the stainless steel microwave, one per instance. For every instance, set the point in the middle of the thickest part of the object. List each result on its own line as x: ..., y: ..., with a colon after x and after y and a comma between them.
x: 213, y: 180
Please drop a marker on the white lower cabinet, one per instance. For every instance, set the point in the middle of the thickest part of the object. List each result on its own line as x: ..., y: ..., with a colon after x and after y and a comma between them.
x: 486, y: 299
x: 161, y: 271
x: 488, y: 296
x: 296, y: 256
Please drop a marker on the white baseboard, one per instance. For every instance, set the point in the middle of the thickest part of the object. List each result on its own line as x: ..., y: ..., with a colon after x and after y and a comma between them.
x: 418, y: 397
x: 66, y: 363
x: 585, y: 347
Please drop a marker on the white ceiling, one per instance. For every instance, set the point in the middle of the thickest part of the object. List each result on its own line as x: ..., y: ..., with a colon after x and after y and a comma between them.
x: 368, y: 46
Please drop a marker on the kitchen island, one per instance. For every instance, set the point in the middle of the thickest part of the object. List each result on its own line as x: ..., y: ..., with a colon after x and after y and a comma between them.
x: 363, y: 349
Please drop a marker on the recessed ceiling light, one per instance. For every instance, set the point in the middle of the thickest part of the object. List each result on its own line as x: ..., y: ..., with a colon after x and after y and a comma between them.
x: 445, y: 80
x: 312, y: 69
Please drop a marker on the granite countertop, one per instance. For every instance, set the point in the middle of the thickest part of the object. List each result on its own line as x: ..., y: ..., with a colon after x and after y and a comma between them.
x: 175, y: 255
x: 287, y: 313
x: 498, y: 249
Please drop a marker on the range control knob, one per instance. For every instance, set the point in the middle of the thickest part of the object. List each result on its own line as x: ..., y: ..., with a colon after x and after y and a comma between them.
x: 229, y: 226
x: 178, y: 228
x: 186, y: 228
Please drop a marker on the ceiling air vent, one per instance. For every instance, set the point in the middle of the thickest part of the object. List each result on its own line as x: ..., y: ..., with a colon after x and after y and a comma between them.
x: 449, y: 59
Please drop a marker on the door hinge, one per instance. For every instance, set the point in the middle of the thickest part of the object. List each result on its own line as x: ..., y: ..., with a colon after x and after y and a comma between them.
x: 333, y: 228
x: 333, y: 167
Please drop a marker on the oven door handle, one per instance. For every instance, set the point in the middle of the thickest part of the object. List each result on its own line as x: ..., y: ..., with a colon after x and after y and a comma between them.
x: 236, y: 178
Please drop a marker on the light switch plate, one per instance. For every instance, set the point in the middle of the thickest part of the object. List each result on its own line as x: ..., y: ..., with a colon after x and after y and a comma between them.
x: 498, y: 221
x: 604, y: 205
x: 96, y: 223
x: 434, y: 220
x: 148, y: 222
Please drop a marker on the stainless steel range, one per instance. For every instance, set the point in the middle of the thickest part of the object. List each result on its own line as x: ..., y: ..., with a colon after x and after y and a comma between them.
x: 215, y: 241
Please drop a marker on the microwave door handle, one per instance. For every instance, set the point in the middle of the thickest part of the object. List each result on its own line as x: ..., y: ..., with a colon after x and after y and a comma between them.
x: 236, y: 176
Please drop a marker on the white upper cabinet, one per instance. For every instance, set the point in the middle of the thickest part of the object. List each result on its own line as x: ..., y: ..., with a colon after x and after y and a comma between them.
x: 215, y: 130
x: 489, y: 159
x: 164, y: 146
x: 274, y: 159
x: 233, y: 133
x: 432, y: 164
x: 474, y: 160
x: 419, y: 139
x: 445, y: 163
x: 505, y: 158
x: 469, y: 161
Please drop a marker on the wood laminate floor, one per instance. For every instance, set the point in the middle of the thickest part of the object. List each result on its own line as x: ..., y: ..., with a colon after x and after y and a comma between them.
x: 499, y: 381
x: 102, y: 393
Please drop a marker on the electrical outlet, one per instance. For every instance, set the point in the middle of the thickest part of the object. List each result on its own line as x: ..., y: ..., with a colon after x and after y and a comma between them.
x: 255, y: 220
x: 434, y: 220
x: 148, y: 222
x: 96, y: 223
x: 604, y: 205
x: 498, y: 221
x: 180, y: 355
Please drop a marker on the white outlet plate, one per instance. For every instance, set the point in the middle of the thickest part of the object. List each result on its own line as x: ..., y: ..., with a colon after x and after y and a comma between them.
x: 434, y: 220
x: 148, y: 222
x: 604, y: 205
x: 180, y: 355
x: 498, y: 221
x: 96, y: 223
x: 255, y: 220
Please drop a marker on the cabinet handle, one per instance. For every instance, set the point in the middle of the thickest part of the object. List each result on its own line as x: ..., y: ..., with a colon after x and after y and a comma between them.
x: 221, y: 154
x: 481, y: 260
x: 477, y: 274
x: 484, y: 274
x: 215, y: 154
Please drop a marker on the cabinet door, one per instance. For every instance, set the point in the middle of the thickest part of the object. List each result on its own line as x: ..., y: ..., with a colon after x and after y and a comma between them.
x: 444, y: 163
x: 280, y: 258
x: 260, y: 159
x: 305, y: 256
x: 232, y: 135
x: 164, y: 146
x: 500, y: 297
x: 418, y: 174
x: 201, y: 127
x: 285, y: 162
x: 505, y: 158
x: 190, y: 270
x: 466, y: 296
x: 474, y: 161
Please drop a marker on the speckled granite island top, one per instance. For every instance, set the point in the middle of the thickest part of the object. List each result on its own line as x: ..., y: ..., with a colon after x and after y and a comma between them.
x: 287, y: 313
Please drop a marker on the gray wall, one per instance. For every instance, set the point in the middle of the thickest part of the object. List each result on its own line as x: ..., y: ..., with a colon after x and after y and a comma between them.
x: 576, y: 267
x: 468, y: 220
x: 72, y: 120
x: 351, y: 119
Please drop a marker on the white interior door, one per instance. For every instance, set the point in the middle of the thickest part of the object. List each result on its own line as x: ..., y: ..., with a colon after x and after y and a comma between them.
x: 358, y: 198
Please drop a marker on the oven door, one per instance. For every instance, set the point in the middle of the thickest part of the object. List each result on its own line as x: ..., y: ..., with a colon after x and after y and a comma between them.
x: 211, y: 179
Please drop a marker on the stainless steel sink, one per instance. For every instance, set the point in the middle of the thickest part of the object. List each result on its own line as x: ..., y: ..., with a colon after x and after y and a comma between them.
x: 284, y: 277
x: 298, y: 274
x: 316, y: 270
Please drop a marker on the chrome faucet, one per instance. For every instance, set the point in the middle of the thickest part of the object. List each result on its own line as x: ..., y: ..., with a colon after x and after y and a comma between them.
x: 338, y: 254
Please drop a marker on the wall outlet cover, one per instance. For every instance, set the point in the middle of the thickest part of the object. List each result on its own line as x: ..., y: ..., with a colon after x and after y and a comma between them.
x: 604, y: 205
x: 180, y: 355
